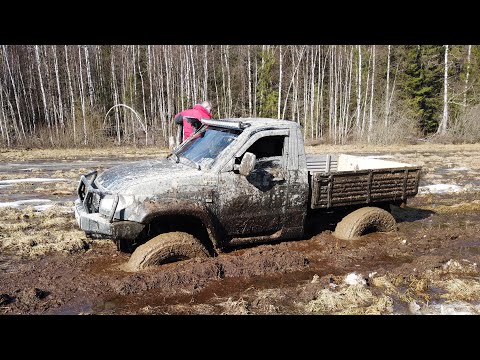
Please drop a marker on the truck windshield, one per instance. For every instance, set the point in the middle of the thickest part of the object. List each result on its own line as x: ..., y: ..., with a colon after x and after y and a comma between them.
x: 204, y: 147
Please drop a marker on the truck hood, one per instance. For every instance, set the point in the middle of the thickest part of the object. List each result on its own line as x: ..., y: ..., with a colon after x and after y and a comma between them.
x: 148, y: 177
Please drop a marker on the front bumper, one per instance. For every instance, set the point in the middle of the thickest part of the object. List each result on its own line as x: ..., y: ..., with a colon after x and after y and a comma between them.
x: 93, y: 222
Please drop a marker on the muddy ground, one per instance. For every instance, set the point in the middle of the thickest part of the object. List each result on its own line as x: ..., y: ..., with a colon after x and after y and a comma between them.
x: 429, y: 266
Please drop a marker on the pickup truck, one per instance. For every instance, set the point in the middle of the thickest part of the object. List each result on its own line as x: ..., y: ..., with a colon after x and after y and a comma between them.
x: 236, y: 182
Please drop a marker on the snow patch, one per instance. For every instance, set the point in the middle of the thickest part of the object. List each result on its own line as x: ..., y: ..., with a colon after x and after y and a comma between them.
x: 453, y: 308
x: 30, y: 180
x: 439, y: 189
x: 462, y: 168
x: 354, y: 279
x: 38, y: 204
x: 380, y: 156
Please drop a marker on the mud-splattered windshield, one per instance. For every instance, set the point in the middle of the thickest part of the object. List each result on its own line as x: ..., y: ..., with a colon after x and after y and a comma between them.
x: 204, y: 147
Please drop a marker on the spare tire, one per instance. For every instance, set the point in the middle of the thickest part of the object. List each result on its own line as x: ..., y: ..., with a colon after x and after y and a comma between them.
x: 166, y: 248
x: 363, y: 221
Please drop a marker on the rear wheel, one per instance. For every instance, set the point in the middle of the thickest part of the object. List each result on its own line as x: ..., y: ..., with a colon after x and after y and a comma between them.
x: 166, y: 248
x: 363, y: 221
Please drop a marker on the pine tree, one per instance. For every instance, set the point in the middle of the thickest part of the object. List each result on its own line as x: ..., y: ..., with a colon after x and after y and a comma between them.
x: 422, y: 84
x: 267, y: 95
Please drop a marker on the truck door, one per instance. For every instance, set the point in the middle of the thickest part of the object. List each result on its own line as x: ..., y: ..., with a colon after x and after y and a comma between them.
x: 254, y: 205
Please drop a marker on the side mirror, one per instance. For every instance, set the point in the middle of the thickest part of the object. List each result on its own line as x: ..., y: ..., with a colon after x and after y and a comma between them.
x: 247, y: 164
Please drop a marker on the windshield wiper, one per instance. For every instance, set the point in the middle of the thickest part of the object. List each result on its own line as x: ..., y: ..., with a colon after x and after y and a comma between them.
x: 190, y: 161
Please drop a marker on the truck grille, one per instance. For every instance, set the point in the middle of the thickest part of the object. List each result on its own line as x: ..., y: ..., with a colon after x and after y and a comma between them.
x: 95, y: 203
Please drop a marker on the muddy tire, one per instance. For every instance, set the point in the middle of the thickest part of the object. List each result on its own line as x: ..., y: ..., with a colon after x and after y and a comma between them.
x: 363, y: 221
x: 166, y: 248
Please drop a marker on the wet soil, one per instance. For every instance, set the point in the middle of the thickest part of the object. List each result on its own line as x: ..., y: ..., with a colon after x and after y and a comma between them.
x: 430, y: 262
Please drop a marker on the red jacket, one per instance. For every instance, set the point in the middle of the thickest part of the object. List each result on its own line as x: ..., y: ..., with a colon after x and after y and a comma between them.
x: 198, y: 112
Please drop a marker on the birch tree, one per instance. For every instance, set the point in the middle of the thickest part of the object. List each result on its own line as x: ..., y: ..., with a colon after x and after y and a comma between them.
x: 443, y: 124
x: 387, y: 91
x: 469, y: 53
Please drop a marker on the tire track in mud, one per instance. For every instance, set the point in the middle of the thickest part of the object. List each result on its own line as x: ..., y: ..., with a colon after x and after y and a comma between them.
x: 193, y: 275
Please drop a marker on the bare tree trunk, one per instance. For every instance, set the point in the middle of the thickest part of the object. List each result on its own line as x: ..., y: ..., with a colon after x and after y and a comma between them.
x: 280, y: 82
x: 330, y: 94
x: 249, y: 83
x: 229, y: 84
x: 47, y: 118
x: 335, y: 94
x: 443, y: 124
x: 370, y: 123
x: 82, y: 98
x: 305, y: 100
x: 366, y: 97
x: 205, y: 73
x: 467, y: 76
x: 216, y: 88
x: 321, y: 93
x: 13, y: 117
x: 224, y: 85
x: 17, y: 102
x: 91, y: 90
x: 347, y: 122
x: 312, y: 92
x: 150, y: 82
x: 60, y: 104
x: 393, y: 88
x: 186, y: 76
x: 295, y: 71
x: 167, y: 72
x: 72, y: 99
x: 296, y: 108
x: 115, y: 94
x: 255, y: 89
x: 194, y: 75
x: 4, y: 117
x: 143, y: 100
x: 387, y: 110
x: 32, y: 115
x: 359, y: 87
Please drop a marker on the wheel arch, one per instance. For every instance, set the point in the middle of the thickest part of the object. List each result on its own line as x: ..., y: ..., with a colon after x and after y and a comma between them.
x: 181, y: 215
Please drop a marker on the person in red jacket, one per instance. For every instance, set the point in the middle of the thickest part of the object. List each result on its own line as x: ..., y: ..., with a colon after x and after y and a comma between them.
x: 199, y: 111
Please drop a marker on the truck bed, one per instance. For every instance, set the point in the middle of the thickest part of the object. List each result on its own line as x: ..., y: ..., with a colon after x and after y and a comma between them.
x: 342, y: 180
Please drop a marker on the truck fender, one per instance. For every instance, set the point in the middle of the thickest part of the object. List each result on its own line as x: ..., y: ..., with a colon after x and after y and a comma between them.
x: 150, y: 209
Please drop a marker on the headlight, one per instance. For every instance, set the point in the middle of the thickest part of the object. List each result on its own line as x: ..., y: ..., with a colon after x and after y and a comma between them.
x: 106, y: 204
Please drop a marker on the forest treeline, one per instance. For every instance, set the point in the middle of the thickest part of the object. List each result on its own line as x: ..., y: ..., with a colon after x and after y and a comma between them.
x: 55, y: 95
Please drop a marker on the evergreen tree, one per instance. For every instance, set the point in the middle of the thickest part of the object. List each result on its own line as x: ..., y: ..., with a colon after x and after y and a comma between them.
x: 267, y: 96
x: 422, y: 84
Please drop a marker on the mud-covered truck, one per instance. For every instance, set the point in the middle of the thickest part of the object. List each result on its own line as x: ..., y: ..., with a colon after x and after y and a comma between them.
x: 236, y: 182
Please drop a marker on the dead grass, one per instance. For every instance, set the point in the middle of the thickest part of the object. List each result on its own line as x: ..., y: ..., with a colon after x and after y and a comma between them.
x: 30, y: 233
x: 460, y: 289
x: 454, y: 208
x: 235, y: 307
x: 75, y: 153
x: 265, y: 299
x: 184, y: 309
x: 353, y: 299
x: 373, y: 148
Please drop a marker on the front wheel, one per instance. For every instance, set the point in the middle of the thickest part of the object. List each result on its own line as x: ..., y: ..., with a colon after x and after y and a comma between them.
x: 363, y: 221
x: 166, y: 248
